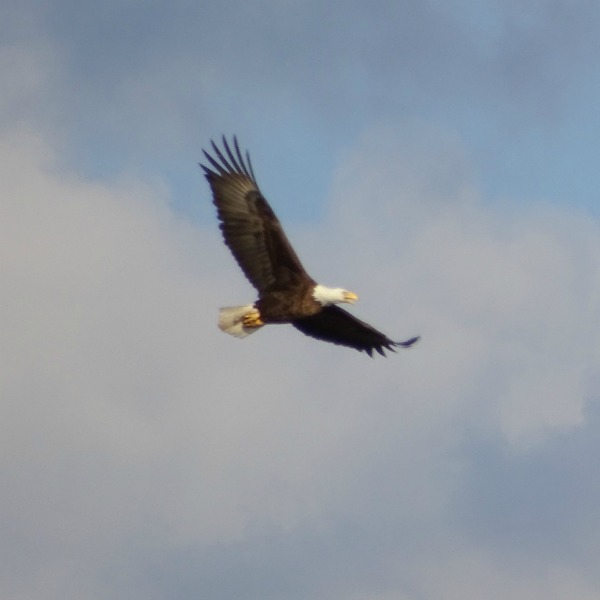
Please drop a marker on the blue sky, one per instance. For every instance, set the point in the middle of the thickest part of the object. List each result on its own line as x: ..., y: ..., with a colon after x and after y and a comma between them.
x: 143, y: 85
x: 437, y: 158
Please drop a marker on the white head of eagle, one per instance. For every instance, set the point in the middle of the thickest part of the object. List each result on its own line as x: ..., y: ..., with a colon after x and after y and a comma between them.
x: 328, y: 296
x: 286, y: 292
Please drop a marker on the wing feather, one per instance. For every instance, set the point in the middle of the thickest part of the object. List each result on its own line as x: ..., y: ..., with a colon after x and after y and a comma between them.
x: 250, y: 228
x: 334, y: 324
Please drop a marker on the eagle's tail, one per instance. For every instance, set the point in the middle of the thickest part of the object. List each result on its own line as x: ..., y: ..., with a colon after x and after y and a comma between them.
x: 239, y: 321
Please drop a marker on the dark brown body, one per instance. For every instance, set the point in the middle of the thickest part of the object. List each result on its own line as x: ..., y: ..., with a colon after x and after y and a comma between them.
x: 274, y: 305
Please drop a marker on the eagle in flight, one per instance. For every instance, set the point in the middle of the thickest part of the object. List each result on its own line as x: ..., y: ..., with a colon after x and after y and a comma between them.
x: 286, y: 292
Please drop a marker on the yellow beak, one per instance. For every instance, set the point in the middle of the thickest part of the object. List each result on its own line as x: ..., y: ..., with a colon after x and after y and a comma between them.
x: 350, y: 297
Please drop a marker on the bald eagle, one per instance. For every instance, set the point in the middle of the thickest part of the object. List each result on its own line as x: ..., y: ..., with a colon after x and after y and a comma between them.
x: 286, y: 293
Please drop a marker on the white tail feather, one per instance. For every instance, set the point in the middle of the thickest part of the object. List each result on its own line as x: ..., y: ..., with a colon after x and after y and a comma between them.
x: 231, y: 320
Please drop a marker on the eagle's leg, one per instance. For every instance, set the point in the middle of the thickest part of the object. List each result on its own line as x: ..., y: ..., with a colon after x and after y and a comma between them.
x: 252, y: 319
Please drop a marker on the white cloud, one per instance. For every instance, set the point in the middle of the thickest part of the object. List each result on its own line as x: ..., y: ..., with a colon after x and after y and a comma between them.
x: 516, y: 290
x: 145, y: 454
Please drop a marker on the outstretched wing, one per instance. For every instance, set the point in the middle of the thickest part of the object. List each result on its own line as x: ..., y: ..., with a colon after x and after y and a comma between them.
x: 249, y: 225
x: 333, y: 324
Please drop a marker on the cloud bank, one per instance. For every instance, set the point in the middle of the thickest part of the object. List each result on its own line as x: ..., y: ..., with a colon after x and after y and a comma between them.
x: 146, y: 455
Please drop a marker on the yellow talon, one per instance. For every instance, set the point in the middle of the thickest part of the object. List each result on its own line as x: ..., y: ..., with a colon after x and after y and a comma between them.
x: 252, y: 320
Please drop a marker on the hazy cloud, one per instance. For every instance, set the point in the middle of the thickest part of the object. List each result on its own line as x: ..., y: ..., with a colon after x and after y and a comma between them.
x: 139, y: 87
x: 147, y: 455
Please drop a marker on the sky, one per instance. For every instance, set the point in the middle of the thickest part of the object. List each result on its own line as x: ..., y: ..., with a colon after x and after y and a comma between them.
x: 440, y: 159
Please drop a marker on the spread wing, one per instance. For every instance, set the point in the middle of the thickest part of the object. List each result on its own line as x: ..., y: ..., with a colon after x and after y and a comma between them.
x: 250, y: 228
x: 333, y: 324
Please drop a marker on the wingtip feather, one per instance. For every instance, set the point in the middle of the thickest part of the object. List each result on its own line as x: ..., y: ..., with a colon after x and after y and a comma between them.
x: 408, y: 343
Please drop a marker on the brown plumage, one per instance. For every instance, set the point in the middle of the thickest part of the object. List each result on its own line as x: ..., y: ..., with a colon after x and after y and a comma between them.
x: 286, y: 293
